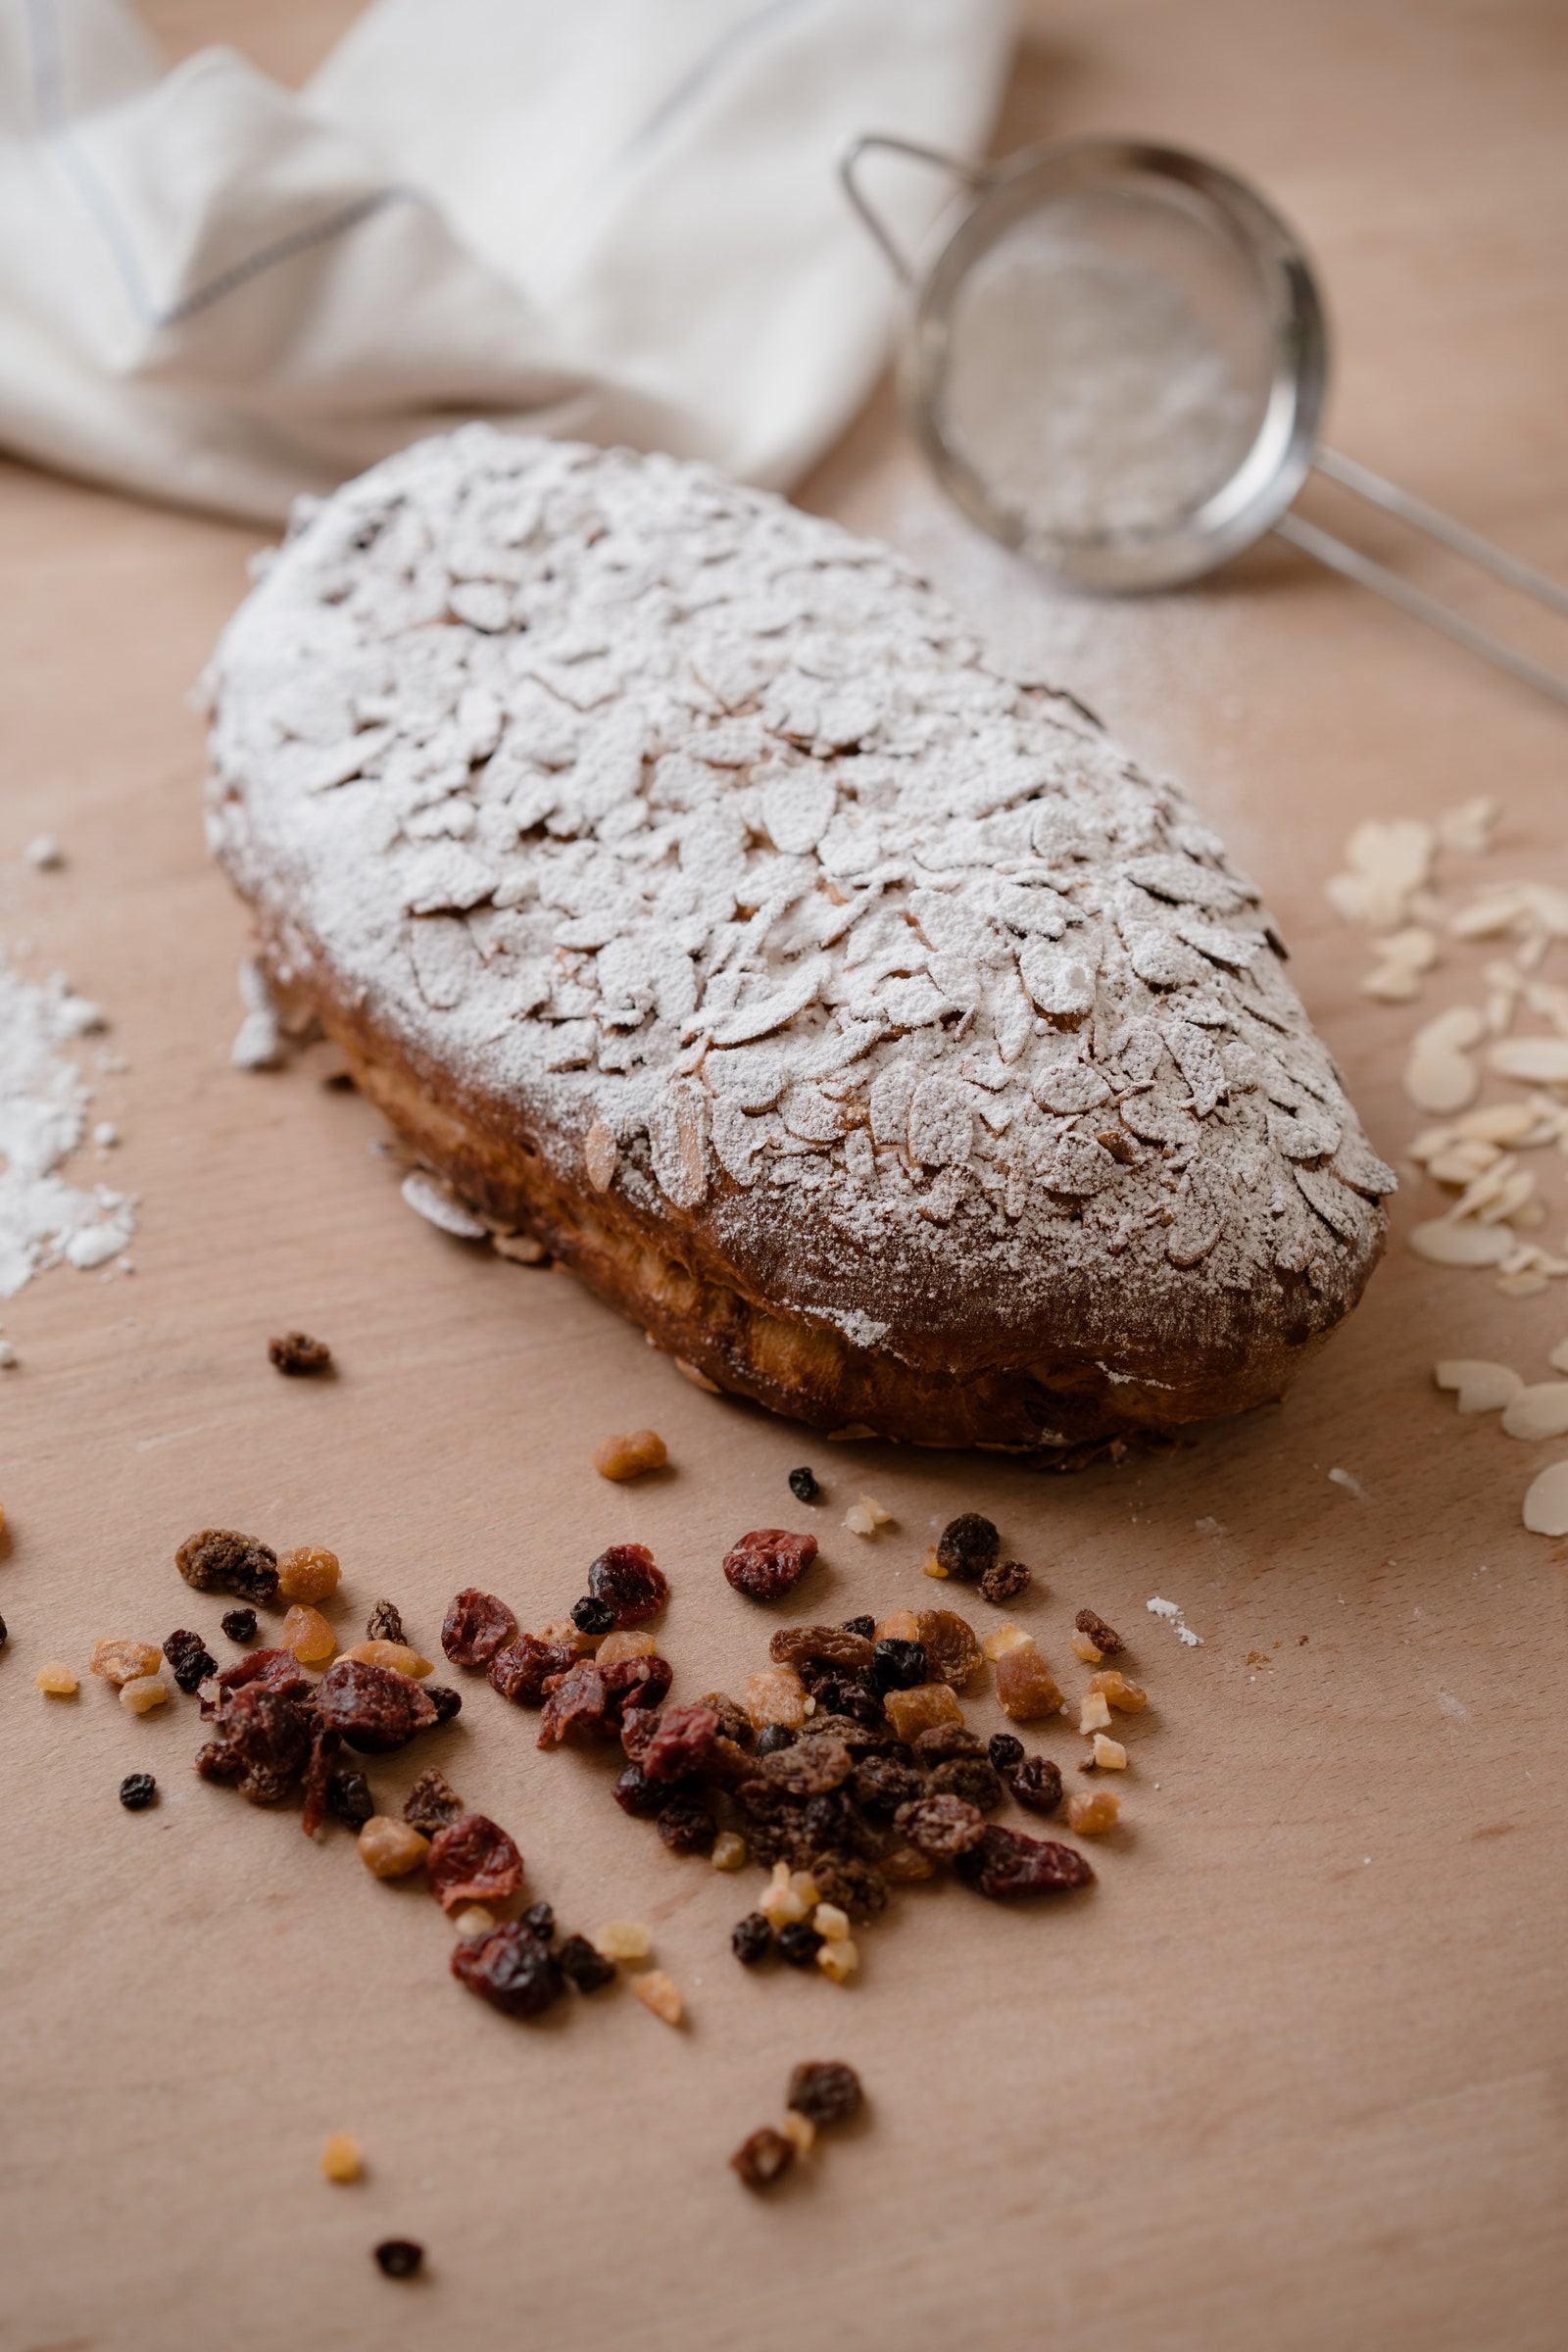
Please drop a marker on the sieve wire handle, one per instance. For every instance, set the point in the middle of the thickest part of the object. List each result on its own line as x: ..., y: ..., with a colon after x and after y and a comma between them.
x: 1361, y: 482
x: 973, y: 175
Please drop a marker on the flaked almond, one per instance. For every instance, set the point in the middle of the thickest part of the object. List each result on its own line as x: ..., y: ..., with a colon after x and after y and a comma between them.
x: 1446, y: 1244
x: 1539, y: 1411
x: 1546, y: 1510
x: 1480, y: 1387
x: 1538, y: 1060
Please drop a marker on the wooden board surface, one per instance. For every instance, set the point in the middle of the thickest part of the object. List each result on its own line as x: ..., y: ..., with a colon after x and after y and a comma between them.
x: 1298, y: 2066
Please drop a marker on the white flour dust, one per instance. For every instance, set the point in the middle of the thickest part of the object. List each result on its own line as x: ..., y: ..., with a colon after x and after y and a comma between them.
x: 1086, y: 392
x: 43, y: 1114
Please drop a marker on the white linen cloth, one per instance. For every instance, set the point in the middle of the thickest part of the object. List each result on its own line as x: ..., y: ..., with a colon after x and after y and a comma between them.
x: 614, y: 218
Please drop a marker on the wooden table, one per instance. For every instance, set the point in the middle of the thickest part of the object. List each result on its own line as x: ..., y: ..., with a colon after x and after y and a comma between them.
x: 1297, y: 2069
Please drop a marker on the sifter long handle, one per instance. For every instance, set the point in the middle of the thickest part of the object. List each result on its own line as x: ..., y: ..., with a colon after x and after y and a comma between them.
x: 975, y: 175
x: 1338, y: 557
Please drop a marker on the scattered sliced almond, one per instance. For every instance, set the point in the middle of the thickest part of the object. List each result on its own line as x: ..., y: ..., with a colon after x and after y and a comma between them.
x: 1388, y: 862
x: 1438, y: 1076
x: 1538, y: 1060
x: 1463, y: 1162
x: 1467, y: 829
x: 1483, y: 1388
x: 1539, y: 1411
x: 1528, y: 1283
x: 1558, y: 1358
x: 1449, y: 1244
x: 1545, y: 1511
x: 1405, y: 955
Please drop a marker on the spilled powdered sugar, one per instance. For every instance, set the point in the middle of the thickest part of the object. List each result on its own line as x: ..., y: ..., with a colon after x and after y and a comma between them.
x: 707, y: 836
x: 43, y: 1114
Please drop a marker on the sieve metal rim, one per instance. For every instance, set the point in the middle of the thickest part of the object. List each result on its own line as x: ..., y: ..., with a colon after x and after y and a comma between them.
x: 1282, y: 451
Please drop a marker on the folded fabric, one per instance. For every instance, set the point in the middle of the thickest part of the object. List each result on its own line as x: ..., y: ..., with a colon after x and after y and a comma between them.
x: 615, y: 219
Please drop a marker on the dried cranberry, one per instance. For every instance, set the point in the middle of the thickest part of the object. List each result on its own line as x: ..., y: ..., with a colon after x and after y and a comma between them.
x: 584, y: 1965
x: 967, y: 1546
x: 826, y: 2091
x: 348, y: 1796
x: 190, y: 1658
x: 635, y: 1794
x: 374, y: 1709
x: 261, y: 1738
x: 683, y: 1743
x: 1004, y: 1750
x: 899, y: 1665
x: 324, y: 1745
x: 635, y: 1684
x: 576, y: 1709
x: 476, y: 1626
x: 592, y: 1616
x: 638, y: 1731
x: 751, y: 1938
x: 798, y: 1944
x: 511, y: 1968
x: 687, y: 1827
x: 768, y: 1562
x: 219, y: 1561
x: 521, y: 1670
x: 472, y: 1860
x: 266, y: 1669
x: 628, y: 1583
x: 1004, y: 1864
x: 1037, y: 1784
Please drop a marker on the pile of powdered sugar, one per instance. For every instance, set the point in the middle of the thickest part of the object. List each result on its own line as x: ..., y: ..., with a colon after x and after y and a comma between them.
x: 709, y: 837
x: 1086, y: 393
x: 43, y: 1110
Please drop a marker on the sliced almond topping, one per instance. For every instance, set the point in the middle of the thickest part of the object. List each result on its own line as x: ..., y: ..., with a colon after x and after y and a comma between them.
x: 1539, y: 1411
x: 1538, y: 1060
x: 1437, y: 1078
x: 1449, y: 1244
x: 1483, y: 1388
x: 1546, y: 1510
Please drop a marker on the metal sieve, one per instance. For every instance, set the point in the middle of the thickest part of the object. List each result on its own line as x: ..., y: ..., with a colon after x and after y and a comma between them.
x: 1117, y: 365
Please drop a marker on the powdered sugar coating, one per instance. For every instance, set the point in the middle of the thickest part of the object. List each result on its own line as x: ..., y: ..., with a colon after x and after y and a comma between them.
x: 707, y: 838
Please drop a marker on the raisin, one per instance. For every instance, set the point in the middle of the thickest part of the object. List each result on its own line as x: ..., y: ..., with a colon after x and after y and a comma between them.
x: 1104, y: 1638
x: 541, y: 1918
x: 634, y: 1685
x: 940, y: 1826
x: 1004, y: 1864
x: 472, y: 1860
x: 895, y: 1665
x: 1005, y: 1752
x: 849, y: 1881
x: 730, y: 1763
x: 1026, y: 1688
x: 431, y: 1802
x: 261, y: 1738
x: 521, y: 1670
x: 861, y: 1738
x: 635, y: 1794
x: 879, y: 1785
x: 626, y: 1580
x: 476, y: 1626
x: 385, y: 1624
x: 1003, y: 1581
x: 798, y: 1944
x: 399, y: 2257
x: 773, y: 1737
x: 944, y: 1740
x: 751, y: 1938
x: 804, y: 1486
x: 297, y: 1353
x: 348, y: 1796
x: 576, y: 1709
x: 837, y: 1691
x: 799, y: 1645
x: 834, y: 1818
x: 826, y: 2091
x: 811, y: 1767
x: 136, y: 1789
x: 239, y: 1624
x: 762, y: 2159
x: 1037, y: 1784
x: 954, y: 1653
x: 592, y: 1616
x: 511, y: 1968
x: 972, y: 1777
x: 687, y: 1827
x: 190, y: 1658
x: 865, y: 1627
x: 374, y: 1709
x: 219, y: 1561
x: 683, y: 1743
x: 768, y: 1562
x: 446, y: 1701
x: 581, y: 1965
x: 967, y: 1546
x: 733, y: 1720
